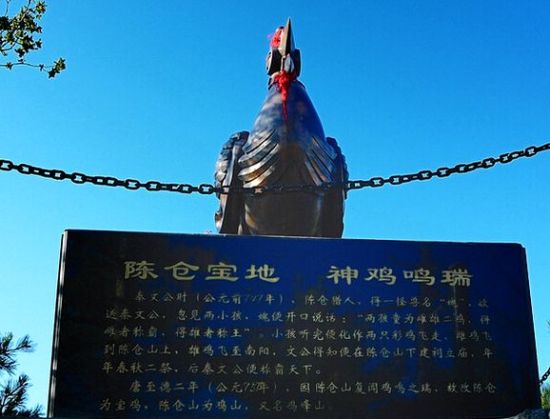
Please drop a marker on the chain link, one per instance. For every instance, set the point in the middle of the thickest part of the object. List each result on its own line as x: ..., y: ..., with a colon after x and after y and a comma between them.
x: 544, y: 376
x: 208, y: 189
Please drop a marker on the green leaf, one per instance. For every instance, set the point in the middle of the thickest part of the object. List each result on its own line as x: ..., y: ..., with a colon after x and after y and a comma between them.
x: 4, y: 23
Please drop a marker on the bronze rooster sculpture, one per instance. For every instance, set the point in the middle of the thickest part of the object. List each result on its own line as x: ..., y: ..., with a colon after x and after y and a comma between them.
x: 286, y: 147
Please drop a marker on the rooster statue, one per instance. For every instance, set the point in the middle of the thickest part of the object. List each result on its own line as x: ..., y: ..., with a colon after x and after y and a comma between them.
x: 286, y: 147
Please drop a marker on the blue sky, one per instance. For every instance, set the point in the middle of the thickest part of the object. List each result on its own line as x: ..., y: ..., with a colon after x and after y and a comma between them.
x: 153, y: 89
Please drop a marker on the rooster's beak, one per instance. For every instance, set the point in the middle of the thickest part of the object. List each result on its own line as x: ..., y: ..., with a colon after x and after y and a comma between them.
x: 287, y: 40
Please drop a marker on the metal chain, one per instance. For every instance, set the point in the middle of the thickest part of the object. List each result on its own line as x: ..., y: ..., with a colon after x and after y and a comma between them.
x: 544, y: 376
x: 208, y: 189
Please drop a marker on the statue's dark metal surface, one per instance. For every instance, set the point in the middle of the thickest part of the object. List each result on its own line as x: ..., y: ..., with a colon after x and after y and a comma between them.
x: 287, y: 146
